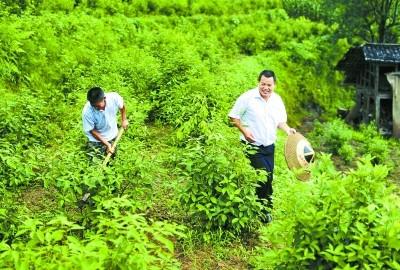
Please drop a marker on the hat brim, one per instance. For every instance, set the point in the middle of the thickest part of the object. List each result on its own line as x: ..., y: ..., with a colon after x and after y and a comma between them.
x: 294, y: 155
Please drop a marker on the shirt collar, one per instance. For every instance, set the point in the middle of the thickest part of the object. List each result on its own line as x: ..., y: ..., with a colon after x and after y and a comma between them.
x: 256, y: 94
x: 94, y: 110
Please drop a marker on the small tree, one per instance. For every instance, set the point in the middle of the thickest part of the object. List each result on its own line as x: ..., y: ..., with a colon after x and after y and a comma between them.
x: 376, y: 18
x: 370, y: 20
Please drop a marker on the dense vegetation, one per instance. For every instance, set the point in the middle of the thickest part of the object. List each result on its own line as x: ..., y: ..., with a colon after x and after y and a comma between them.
x: 358, y: 21
x: 180, y: 193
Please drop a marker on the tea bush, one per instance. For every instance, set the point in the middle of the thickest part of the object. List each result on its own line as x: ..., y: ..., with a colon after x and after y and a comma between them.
x: 340, y: 139
x: 345, y: 222
x: 9, y: 216
x: 347, y: 152
x: 118, y: 239
x: 375, y: 145
x: 309, y: 9
x: 334, y: 135
x: 219, y: 189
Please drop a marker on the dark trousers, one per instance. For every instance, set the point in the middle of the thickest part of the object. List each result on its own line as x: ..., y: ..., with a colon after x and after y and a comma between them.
x: 262, y: 157
x: 97, y: 150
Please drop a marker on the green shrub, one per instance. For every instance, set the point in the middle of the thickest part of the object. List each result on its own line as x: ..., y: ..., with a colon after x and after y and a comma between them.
x: 58, y: 5
x: 332, y: 135
x: 248, y: 39
x: 345, y: 222
x: 340, y: 139
x: 306, y: 8
x: 219, y: 186
x: 347, y: 152
x: 374, y: 144
x: 9, y: 215
x: 119, y: 239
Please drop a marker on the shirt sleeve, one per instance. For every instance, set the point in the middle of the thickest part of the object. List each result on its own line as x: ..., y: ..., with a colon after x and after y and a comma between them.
x: 87, y: 122
x: 119, y: 101
x: 239, y: 108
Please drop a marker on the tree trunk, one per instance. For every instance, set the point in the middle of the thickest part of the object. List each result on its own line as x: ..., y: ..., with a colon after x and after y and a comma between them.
x: 381, y: 31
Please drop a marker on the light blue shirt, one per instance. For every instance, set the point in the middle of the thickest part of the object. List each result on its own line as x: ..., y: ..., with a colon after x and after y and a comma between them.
x: 105, y: 122
x: 259, y: 116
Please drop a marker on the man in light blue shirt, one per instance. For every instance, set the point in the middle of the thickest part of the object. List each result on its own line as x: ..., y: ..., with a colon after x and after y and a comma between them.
x: 99, y: 119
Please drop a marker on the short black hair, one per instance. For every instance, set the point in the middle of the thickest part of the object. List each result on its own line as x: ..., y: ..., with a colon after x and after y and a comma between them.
x: 267, y: 73
x: 95, y: 94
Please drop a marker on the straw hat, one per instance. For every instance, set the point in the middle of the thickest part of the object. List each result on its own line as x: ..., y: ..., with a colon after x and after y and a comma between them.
x: 299, y: 154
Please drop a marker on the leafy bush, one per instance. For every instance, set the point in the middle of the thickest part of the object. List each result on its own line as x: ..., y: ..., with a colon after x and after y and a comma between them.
x: 219, y: 188
x: 248, y: 39
x: 119, y: 239
x: 346, y: 222
x: 9, y: 215
x: 346, y: 152
x: 309, y: 9
x: 338, y: 138
x: 374, y: 144
x: 332, y: 135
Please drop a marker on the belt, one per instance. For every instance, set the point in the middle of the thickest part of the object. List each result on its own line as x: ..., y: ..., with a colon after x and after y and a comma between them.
x: 254, y: 145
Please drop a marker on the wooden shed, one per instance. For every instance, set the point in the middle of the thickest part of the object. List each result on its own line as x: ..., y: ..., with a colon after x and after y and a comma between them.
x: 373, y: 69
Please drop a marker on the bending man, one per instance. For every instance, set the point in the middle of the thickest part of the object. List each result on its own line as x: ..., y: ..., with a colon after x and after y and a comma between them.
x: 99, y: 117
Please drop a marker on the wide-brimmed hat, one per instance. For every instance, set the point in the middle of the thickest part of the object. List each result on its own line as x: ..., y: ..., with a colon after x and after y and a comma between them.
x: 299, y: 154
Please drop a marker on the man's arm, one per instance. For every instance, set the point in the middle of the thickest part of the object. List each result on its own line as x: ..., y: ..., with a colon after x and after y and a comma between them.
x: 246, y: 133
x: 284, y: 126
x: 124, y: 120
x: 100, y: 138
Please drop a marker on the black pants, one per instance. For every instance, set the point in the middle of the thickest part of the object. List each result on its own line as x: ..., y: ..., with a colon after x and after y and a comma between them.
x: 263, y: 158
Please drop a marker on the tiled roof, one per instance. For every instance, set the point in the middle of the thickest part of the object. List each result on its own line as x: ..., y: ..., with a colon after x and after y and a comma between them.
x: 381, y: 52
x: 356, y: 57
x: 370, y: 52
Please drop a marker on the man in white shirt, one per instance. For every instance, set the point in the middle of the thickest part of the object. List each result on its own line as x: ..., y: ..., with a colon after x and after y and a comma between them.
x: 258, y: 113
x: 100, y: 122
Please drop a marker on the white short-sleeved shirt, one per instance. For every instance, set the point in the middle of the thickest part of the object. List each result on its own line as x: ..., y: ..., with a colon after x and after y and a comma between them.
x: 105, y: 121
x: 259, y: 116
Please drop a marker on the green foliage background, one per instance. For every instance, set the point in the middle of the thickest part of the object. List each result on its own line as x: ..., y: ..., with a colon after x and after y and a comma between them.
x: 180, y: 177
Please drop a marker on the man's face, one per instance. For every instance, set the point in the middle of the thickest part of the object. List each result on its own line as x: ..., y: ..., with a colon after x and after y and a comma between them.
x: 101, y: 105
x: 266, y: 86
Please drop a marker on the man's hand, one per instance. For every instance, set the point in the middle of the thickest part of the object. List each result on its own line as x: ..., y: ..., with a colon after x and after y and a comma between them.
x: 291, y: 131
x: 98, y: 136
x: 109, y: 148
x: 246, y: 132
x: 288, y: 130
x: 248, y: 136
x: 125, y: 123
